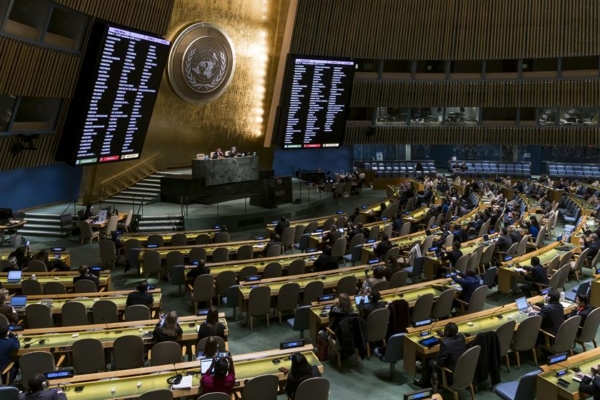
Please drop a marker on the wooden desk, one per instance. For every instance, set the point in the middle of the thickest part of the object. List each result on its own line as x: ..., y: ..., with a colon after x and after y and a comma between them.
x: 586, y: 208
x: 471, y: 324
x: 547, y: 388
x: 13, y: 224
x: 587, y: 223
x: 595, y: 292
x: 64, y: 277
x: 103, y: 224
x: 56, y: 301
x: 167, y: 236
x: 60, y: 339
x: 320, y: 222
x: 261, y: 263
x: 258, y: 246
x: 247, y: 366
x: 65, y: 255
x: 432, y: 263
x: 319, y: 318
x: 508, y: 276
x: 403, y: 242
x: 375, y: 208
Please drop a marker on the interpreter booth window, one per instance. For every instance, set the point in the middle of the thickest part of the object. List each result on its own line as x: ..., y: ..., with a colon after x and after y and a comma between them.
x: 578, y: 116
x: 36, y: 114
x: 462, y: 116
x: 389, y: 116
x: 426, y: 116
x: 66, y: 29
x: 7, y: 106
x: 28, y: 18
x: 528, y: 116
x: 499, y: 116
x: 502, y: 69
x: 579, y: 67
x: 547, y: 116
x: 379, y: 152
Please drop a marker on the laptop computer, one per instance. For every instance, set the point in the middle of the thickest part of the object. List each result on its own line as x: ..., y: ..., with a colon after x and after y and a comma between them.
x: 358, y: 299
x: 205, y: 365
x: 18, y: 302
x: 102, y: 216
x: 522, y: 304
x: 14, y: 276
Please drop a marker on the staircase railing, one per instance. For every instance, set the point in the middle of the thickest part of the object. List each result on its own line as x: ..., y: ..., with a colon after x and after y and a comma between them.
x: 132, y: 176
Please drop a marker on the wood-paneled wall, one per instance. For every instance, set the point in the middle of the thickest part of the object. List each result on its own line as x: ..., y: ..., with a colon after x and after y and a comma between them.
x: 532, y: 93
x: 451, y: 135
x: 448, y: 29
x: 148, y: 15
x: 33, y: 70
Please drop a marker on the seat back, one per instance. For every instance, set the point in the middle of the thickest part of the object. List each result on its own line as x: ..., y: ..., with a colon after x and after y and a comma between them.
x: 274, y: 250
x: 398, y: 279
x: 505, y: 334
x: 222, y: 237
x: 374, y: 232
x: 202, y: 238
x: 220, y: 254
x: 287, y: 239
x: 38, y: 316
x: 302, y: 318
x: 449, y: 240
x: 272, y: 270
x: 443, y: 305
x: 173, y: 258
x: 259, y: 300
x: 358, y: 239
x: 379, y: 286
x: 461, y: 263
x: 178, y: 275
x: 313, y: 389
x: 105, y: 312
x: 590, y: 326
x: 527, y: 387
x: 311, y: 227
x: 313, y: 290
x: 204, y: 288
x: 296, y: 267
x: 565, y: 338
x: 157, y: 394
x: 339, y: 248
x: 85, y: 286
x: 36, y: 362
x: 74, y: 313
x: 214, y: 396
x: 36, y: 266
x: 128, y: 352
x: 489, y: 276
x: 113, y: 222
x: 9, y: 393
x: 299, y: 231
x: 477, y: 301
x: 465, y: 368
x: 54, y: 288
x: 179, y: 239
x: 152, y: 262
x: 523, y: 339
x: 30, y: 287
x: 156, y: 239
x: 245, y: 252
x: 264, y: 387
x: 394, y: 349
x: 137, y: 312
x: 132, y: 243
x: 88, y: 356
x: 165, y: 353
x: 422, y: 308
x: 197, y: 253
x: 108, y: 251
x: 224, y: 281
x: 220, y: 342
x: 288, y: 296
x: 405, y: 229
x: 377, y: 325
x: 245, y: 272
x: 347, y: 285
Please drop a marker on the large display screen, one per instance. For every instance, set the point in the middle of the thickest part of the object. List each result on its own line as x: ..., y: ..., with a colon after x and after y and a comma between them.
x: 315, y: 102
x: 117, y: 87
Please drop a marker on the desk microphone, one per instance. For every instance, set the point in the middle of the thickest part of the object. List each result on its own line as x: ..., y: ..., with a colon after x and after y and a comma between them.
x: 431, y: 331
x: 497, y: 311
x: 396, y: 291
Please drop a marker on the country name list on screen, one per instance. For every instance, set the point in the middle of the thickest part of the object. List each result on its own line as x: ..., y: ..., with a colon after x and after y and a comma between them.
x: 318, y: 101
x: 123, y: 96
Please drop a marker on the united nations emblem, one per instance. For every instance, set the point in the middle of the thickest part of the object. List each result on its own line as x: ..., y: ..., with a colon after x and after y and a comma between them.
x: 201, y: 63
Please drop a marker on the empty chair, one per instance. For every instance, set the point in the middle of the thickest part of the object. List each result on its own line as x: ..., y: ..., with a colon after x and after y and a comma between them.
x: 203, y: 289
x: 38, y: 316
x: 272, y: 270
x: 85, y: 286
x: 245, y: 272
x: 311, y: 227
x: 523, y: 389
x: 287, y: 238
x: 36, y: 362
x: 312, y: 291
x: 565, y: 337
x: 88, y: 356
x: 222, y: 237
x: 30, y: 287
x: 299, y: 231
x: 379, y: 286
x: 224, y: 281
x: 178, y: 276
x: 203, y: 238
x: 287, y: 300
x: 174, y: 258
x: 399, y: 279
x: 214, y: 396
x: 313, y: 389
x: 405, y: 229
x: 590, y: 328
x: 465, y: 370
x: 296, y: 267
x: 377, y: 325
x: 104, y: 312
x: 303, y: 242
x: 108, y: 253
x: 505, y: 334
x: 196, y: 254
x: 87, y: 233
x: 165, y: 353
x: 394, y: 352
x: 416, y: 270
x: 9, y: 393
x: 422, y: 308
x: 259, y: 303
x: 443, y: 305
x: 355, y: 254
x: 245, y: 252
x: 489, y: 277
x: 128, y: 352
x: 157, y: 394
x: 274, y: 251
x: 523, y: 340
x: 156, y: 240
x: 179, y: 239
x: 220, y: 254
x: 347, y: 285
x: 36, y: 266
x: 301, y: 320
x: 54, y: 288
x: 74, y: 313
x: 263, y: 387
x: 477, y: 301
x: 137, y: 312
x: 152, y: 263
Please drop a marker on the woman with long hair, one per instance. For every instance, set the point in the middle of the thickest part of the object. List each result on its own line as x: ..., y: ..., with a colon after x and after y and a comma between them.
x: 167, y: 329
x: 300, y: 371
x: 220, y: 376
x: 340, y: 310
x: 212, y: 326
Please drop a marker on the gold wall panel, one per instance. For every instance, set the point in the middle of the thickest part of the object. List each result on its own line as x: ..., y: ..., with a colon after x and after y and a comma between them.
x: 180, y: 130
x: 448, y: 29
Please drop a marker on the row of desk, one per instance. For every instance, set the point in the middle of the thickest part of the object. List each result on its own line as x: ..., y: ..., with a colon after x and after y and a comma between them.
x: 142, y: 237
x: 64, y: 277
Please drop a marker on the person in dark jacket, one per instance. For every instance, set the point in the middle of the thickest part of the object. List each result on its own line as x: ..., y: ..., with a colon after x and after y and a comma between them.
x: 140, y: 296
x: 504, y: 241
x: 451, y: 348
x: 282, y: 225
x: 514, y: 234
x: 330, y: 237
x: 374, y: 303
x: 453, y: 255
x: 583, y: 307
x: 212, y: 326
x: 276, y: 240
x: 533, y: 275
x: 340, y: 310
x: 591, y: 385
x: 325, y: 262
x: 84, y: 273
x: 201, y: 269
x: 168, y: 329
x: 552, y: 313
x: 38, y: 390
x: 300, y: 371
x: 6, y: 309
x: 9, y: 343
x: 468, y: 282
x: 56, y: 263
x: 383, y: 247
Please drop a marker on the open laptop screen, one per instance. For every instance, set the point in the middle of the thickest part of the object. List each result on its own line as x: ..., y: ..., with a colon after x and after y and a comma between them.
x: 18, y: 301
x: 14, y: 275
x: 522, y: 304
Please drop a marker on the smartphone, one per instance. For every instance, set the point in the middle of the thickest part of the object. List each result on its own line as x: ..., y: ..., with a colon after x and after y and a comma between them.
x: 223, y: 354
x: 284, y: 370
x: 27, y: 243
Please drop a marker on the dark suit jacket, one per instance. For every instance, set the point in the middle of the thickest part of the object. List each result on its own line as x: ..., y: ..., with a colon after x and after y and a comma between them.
x: 593, y: 249
x: 516, y: 237
x: 583, y: 313
x: 553, y: 316
x: 330, y: 238
x: 281, y: 226
x: 196, y: 272
x: 468, y: 284
x: 382, y: 248
x: 325, y: 263
x: 451, y: 348
x: 538, y: 274
x: 590, y: 386
x: 137, y: 297
x: 453, y: 256
x: 504, y: 243
x: 9, y: 313
x: 49, y: 394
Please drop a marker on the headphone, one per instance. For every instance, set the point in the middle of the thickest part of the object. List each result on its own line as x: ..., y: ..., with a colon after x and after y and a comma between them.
x: 45, y: 385
x: 175, y: 379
